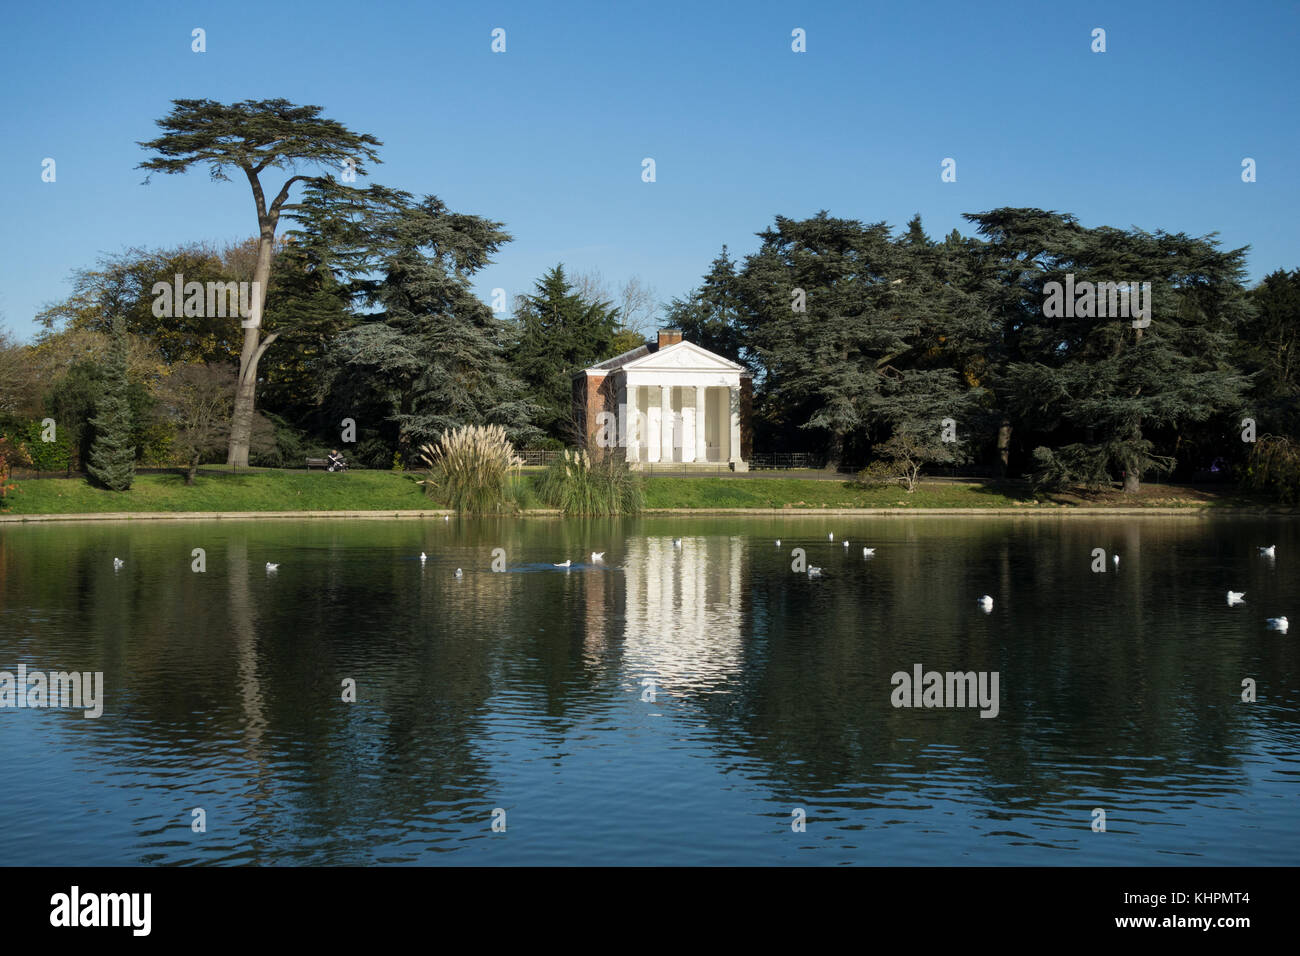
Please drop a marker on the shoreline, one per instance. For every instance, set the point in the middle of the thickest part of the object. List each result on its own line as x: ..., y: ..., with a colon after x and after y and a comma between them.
x: 1034, y: 511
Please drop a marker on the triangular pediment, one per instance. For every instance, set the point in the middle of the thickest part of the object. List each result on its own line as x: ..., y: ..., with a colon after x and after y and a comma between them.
x: 682, y: 357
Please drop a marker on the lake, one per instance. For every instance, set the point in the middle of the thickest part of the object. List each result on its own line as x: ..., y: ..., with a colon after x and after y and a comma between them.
x: 701, y: 704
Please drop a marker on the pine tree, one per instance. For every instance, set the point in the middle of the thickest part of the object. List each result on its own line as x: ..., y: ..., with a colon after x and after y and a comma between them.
x: 1113, y: 396
x: 112, y: 457
x: 710, y: 315
x: 857, y: 334
x: 434, y: 359
x: 560, y: 333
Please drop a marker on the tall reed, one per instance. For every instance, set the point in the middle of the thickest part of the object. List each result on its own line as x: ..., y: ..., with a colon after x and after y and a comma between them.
x: 471, y: 469
x: 582, y: 484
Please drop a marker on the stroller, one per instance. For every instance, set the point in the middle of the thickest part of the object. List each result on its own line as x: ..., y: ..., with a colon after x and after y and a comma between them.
x: 336, y: 462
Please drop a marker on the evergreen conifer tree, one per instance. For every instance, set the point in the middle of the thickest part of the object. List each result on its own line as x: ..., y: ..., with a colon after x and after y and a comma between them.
x: 112, y: 457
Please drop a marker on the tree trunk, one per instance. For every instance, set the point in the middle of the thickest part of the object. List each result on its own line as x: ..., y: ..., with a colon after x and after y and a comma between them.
x: 241, y: 423
x: 1133, y: 466
x: 835, y: 452
x: 190, y: 472
x: 1004, y: 447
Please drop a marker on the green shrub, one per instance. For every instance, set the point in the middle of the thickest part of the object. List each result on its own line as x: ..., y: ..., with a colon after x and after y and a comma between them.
x: 879, y: 472
x: 579, y: 484
x: 46, y: 455
x: 472, y: 469
x: 902, y: 457
x: 281, y: 445
x: 1274, y: 468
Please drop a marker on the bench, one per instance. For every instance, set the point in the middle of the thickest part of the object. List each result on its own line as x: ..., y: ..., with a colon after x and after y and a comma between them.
x: 317, y: 463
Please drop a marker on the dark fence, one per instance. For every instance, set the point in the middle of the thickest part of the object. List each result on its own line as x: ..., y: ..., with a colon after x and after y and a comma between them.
x: 787, y: 459
x: 539, y: 456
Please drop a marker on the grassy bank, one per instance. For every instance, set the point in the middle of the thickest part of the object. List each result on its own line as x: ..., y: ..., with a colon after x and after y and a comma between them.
x: 272, y: 490
x: 268, y: 490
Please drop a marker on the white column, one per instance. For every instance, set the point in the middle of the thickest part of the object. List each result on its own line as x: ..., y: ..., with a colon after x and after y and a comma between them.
x: 734, y: 441
x: 631, y: 423
x: 701, y: 423
x: 688, y: 426
x: 652, y: 428
x: 666, y: 423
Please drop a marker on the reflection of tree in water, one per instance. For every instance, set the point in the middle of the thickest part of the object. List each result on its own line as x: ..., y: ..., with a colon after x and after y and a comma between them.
x: 201, y: 667
x: 403, y: 758
x: 1077, y: 689
x: 229, y: 682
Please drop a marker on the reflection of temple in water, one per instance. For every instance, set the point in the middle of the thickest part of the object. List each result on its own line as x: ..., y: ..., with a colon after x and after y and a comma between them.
x: 684, y: 612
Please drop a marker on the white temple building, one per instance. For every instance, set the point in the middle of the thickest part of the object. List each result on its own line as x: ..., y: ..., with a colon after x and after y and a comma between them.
x: 668, y: 402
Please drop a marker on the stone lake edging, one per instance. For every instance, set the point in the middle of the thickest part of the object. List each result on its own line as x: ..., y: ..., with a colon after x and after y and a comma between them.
x: 1028, y: 511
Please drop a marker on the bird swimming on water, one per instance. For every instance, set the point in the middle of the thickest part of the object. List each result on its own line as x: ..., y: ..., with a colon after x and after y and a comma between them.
x: 677, y: 542
x: 1278, y: 624
x: 1269, y: 552
x: 597, y: 557
x: 814, y: 572
x: 1236, y: 597
x: 868, y: 552
x: 986, y: 603
x: 460, y: 573
x: 565, y: 564
x: 272, y: 567
x: 117, y: 563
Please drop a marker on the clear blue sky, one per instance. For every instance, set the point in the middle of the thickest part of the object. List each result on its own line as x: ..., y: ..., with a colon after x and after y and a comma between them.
x: 549, y: 136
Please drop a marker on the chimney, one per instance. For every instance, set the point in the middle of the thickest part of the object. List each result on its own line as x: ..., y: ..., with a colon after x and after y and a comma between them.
x: 669, y: 337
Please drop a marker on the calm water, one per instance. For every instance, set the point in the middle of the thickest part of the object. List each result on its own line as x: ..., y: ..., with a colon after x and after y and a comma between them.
x: 524, y: 691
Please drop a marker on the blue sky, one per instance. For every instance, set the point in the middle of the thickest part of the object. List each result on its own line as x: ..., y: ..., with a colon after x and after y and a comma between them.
x: 549, y: 136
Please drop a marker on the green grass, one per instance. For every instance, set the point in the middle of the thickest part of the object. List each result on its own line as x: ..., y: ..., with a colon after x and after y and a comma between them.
x: 801, y: 493
x: 257, y: 490
x: 274, y: 490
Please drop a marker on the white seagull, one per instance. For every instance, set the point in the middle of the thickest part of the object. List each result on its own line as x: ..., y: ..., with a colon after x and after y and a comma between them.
x: 831, y: 536
x: 1278, y: 624
x: 565, y: 564
x: 460, y: 573
x: 423, y: 557
x: 846, y: 544
x: 986, y: 603
x: 1236, y: 597
x: 117, y: 563
x: 814, y: 572
x: 778, y: 542
x: 597, y: 557
x: 1269, y: 552
x: 1115, y: 558
x: 272, y: 567
x: 868, y: 552
x: 677, y: 542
